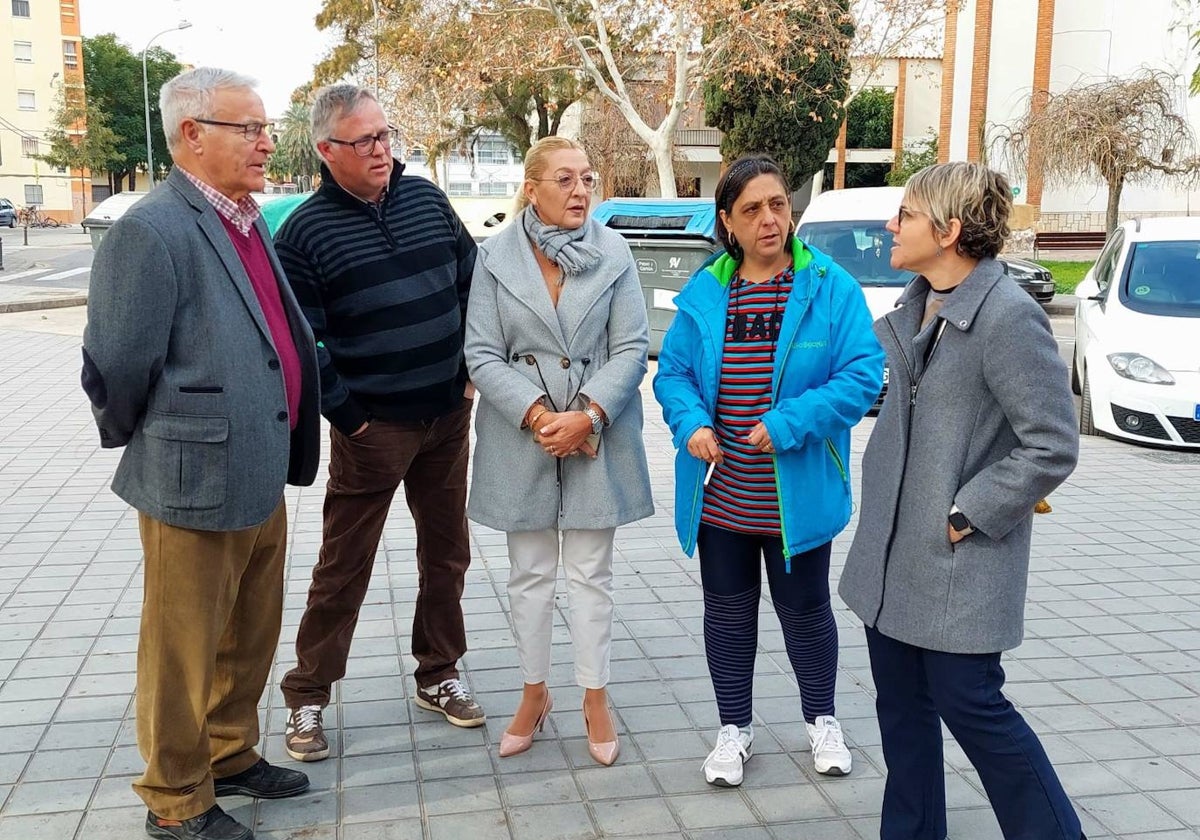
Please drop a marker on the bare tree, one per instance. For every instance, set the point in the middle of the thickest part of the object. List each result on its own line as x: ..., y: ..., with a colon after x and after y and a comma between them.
x: 1120, y: 130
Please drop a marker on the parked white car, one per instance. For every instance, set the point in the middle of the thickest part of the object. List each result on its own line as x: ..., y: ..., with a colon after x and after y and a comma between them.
x: 1137, y: 335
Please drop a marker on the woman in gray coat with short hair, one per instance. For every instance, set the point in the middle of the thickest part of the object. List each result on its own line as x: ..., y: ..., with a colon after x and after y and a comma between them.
x: 977, y: 426
x: 556, y: 346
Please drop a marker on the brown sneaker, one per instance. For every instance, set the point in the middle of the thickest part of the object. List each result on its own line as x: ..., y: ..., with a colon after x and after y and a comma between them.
x: 304, y: 735
x: 451, y: 698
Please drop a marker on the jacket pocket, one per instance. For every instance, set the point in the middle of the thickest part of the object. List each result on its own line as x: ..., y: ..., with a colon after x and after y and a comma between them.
x: 837, y: 462
x: 188, y: 459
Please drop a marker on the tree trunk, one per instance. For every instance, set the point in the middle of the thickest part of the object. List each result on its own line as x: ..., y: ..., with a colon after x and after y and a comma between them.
x: 664, y: 161
x: 1115, y: 185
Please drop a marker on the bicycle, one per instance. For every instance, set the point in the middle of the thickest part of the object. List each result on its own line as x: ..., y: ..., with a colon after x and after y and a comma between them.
x: 32, y: 217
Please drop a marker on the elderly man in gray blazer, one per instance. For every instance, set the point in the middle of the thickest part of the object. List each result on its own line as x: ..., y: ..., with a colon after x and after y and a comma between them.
x: 198, y: 361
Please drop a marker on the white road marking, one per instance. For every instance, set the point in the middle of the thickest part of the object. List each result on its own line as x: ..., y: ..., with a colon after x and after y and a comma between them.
x: 5, y: 278
x: 70, y: 272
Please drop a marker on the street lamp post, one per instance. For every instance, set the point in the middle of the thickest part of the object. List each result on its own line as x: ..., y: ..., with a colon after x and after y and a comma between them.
x: 183, y: 24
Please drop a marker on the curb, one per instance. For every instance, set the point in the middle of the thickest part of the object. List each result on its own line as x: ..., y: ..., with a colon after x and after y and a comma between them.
x: 1061, y: 305
x: 46, y: 303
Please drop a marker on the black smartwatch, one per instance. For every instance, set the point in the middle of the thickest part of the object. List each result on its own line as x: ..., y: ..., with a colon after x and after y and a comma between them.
x: 959, y: 521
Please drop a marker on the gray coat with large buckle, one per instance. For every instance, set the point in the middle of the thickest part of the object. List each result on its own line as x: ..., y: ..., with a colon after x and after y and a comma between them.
x: 989, y: 425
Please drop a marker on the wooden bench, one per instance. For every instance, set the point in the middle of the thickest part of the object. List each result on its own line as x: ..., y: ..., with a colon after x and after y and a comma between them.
x: 1068, y: 240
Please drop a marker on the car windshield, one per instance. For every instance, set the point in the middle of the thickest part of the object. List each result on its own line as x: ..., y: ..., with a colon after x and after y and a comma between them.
x: 1163, y: 278
x: 862, y: 248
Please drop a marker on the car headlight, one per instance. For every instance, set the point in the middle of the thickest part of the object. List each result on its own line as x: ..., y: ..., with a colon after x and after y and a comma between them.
x: 1140, y: 369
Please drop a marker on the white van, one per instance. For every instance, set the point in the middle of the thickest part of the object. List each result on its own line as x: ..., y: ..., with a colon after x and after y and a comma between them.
x: 849, y: 226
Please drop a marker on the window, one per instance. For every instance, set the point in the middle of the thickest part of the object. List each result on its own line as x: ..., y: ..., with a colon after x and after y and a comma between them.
x: 26, y: 101
x: 494, y: 188
x: 458, y: 188
x: 70, y: 55
x: 1106, y: 263
x: 23, y: 52
x: 29, y: 146
x: 33, y: 195
x: 20, y: 8
x: 415, y: 156
x: 457, y: 156
x: 492, y: 151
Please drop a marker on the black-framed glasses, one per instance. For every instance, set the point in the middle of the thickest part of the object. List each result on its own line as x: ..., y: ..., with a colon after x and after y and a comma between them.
x: 567, y: 181
x: 251, y: 130
x: 365, y: 146
x: 906, y: 213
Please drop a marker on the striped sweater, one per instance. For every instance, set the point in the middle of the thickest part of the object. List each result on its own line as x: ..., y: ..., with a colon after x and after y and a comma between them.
x: 385, y: 289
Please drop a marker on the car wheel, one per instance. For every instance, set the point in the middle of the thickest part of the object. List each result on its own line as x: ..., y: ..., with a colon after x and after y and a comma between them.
x: 1086, y: 426
x: 1075, y: 389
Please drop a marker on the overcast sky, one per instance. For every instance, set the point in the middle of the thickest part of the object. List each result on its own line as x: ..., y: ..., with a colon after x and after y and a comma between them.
x: 275, y: 41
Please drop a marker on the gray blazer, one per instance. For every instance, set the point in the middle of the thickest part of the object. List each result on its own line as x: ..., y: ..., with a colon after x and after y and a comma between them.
x: 595, y: 344
x: 992, y: 429
x: 181, y: 370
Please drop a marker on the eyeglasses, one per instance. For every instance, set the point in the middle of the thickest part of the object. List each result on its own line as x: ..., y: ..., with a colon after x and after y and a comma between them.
x: 251, y: 130
x: 365, y: 146
x: 905, y: 213
x: 566, y: 182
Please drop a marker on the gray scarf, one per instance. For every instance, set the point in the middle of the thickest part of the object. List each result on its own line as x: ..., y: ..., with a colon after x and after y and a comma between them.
x: 562, y: 246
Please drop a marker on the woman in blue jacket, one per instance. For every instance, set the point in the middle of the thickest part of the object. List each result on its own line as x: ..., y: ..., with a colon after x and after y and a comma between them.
x: 768, y: 364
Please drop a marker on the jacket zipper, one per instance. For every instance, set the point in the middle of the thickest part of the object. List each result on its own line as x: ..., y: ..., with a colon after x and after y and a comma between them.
x: 837, y: 459
x: 787, y: 557
x: 696, y: 494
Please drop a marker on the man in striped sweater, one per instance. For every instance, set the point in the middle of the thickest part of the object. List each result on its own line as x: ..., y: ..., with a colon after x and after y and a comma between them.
x: 381, y: 266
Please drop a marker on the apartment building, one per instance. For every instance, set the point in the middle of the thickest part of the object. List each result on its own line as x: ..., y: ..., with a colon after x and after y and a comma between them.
x: 41, y: 50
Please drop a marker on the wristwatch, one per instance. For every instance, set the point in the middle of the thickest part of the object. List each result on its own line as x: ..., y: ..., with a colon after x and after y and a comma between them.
x: 597, y: 420
x: 959, y: 522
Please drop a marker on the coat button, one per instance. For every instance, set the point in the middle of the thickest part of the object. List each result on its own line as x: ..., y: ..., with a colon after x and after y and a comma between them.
x: 564, y: 363
x: 273, y: 364
x: 281, y: 416
x: 962, y: 324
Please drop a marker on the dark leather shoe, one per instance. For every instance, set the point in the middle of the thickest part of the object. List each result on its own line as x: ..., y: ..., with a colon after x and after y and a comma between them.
x: 263, y: 781
x: 213, y: 824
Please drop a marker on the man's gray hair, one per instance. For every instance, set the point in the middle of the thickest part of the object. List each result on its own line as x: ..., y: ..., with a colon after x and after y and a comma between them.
x: 190, y: 94
x: 333, y: 102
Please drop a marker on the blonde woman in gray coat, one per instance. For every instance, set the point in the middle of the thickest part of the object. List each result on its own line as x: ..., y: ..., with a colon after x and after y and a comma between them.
x: 978, y: 424
x: 556, y: 346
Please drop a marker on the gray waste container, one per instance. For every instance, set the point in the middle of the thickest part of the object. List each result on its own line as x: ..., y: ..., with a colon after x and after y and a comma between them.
x: 670, y: 239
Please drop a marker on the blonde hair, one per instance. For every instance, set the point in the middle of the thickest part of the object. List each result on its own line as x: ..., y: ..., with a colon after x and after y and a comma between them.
x: 980, y: 198
x: 538, y: 158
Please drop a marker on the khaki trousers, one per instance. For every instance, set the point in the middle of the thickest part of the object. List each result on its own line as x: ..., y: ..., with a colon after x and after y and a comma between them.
x: 211, y: 612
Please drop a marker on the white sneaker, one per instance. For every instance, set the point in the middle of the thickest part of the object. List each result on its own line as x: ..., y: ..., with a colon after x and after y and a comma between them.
x: 830, y: 755
x: 724, y: 764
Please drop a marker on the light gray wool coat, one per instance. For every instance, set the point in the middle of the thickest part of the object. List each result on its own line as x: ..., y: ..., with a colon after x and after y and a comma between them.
x: 593, y: 344
x: 992, y: 429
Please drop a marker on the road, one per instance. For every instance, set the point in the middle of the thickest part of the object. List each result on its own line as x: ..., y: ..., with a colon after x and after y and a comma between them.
x: 58, y: 258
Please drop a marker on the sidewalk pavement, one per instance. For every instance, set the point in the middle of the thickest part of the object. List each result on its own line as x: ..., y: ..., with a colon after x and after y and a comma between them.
x: 1108, y: 675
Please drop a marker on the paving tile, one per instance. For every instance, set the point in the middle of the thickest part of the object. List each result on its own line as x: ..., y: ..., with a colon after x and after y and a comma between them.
x: 564, y: 821
x: 634, y: 817
x: 49, y: 797
x: 380, y: 803
x: 1129, y: 812
x: 460, y: 795
x: 485, y: 825
x: 26, y: 827
x: 719, y: 808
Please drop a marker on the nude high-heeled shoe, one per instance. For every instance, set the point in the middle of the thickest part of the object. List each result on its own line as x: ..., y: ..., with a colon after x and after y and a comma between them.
x: 604, y: 752
x: 511, y: 744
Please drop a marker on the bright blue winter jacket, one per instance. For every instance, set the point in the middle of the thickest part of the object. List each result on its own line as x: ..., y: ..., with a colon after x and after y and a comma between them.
x: 828, y: 373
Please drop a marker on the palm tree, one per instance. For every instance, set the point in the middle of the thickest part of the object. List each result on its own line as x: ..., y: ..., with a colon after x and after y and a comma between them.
x: 295, y: 156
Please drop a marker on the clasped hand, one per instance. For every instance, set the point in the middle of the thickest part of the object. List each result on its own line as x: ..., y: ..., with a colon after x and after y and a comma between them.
x: 564, y: 433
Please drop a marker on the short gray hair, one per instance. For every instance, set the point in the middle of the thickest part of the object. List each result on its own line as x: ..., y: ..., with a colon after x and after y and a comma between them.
x: 333, y: 102
x: 980, y: 198
x: 190, y: 94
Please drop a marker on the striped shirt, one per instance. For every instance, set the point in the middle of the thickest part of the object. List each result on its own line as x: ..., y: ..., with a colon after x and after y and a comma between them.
x: 742, y: 496
x: 385, y: 289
